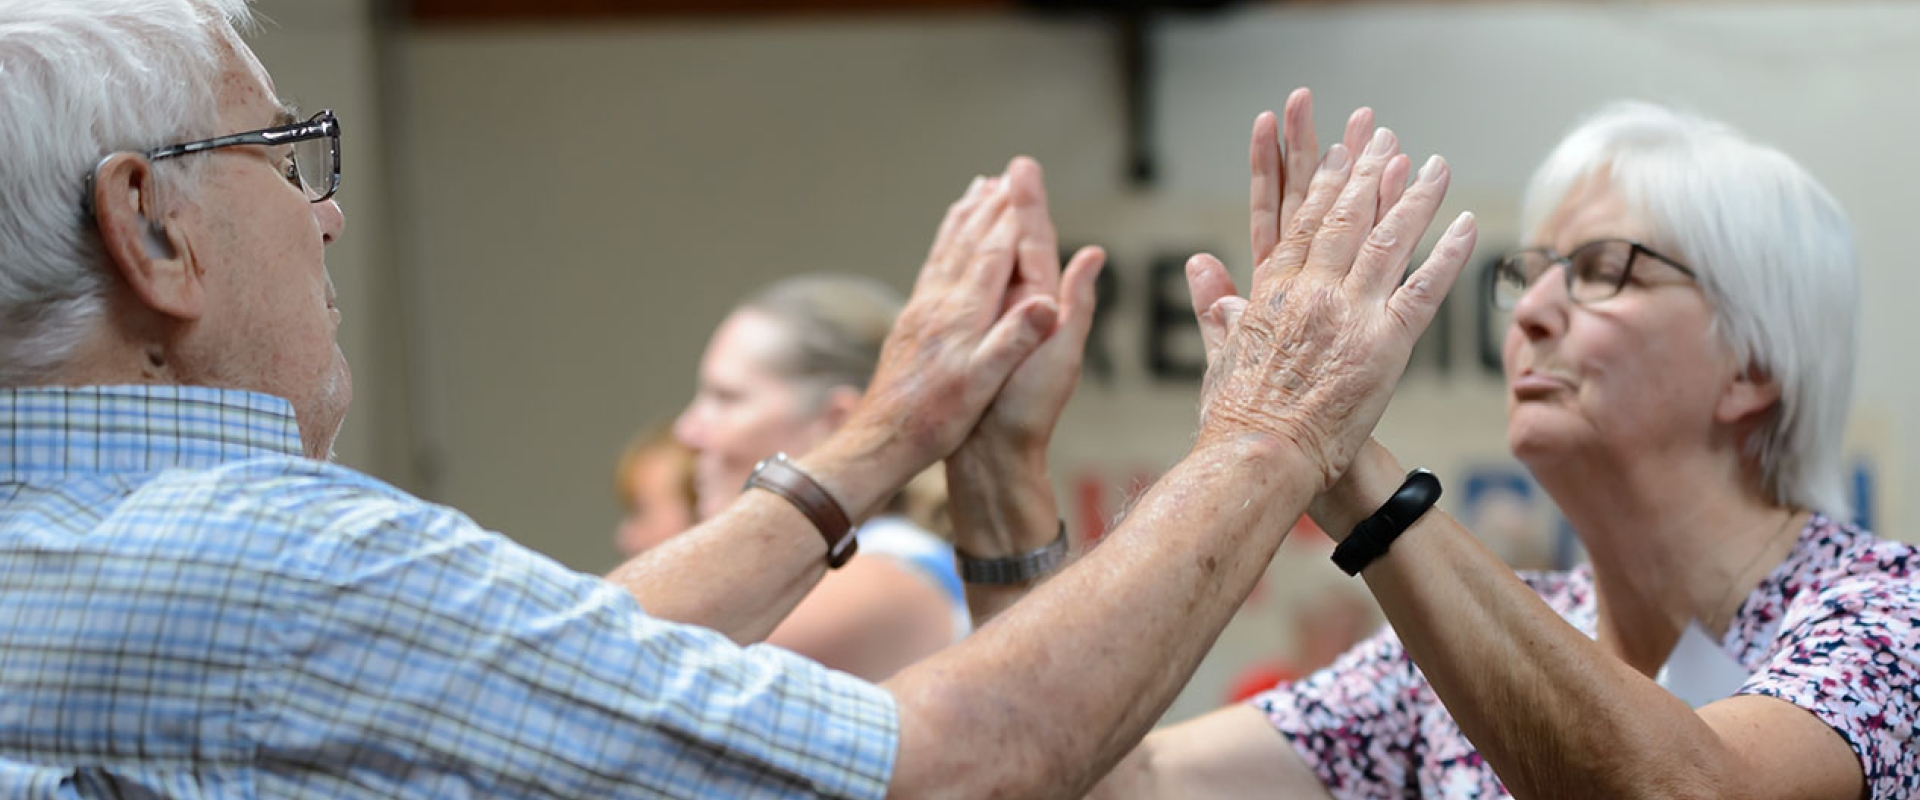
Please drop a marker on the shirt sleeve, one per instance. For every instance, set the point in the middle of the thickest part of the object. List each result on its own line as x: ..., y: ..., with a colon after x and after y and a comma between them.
x: 1354, y: 722
x: 926, y: 554
x: 431, y: 658
x: 1850, y: 657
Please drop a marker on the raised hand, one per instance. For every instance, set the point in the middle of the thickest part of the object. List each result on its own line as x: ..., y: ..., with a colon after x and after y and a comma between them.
x: 1029, y: 405
x: 1003, y: 501
x: 1281, y: 172
x: 958, y: 339
x: 1327, y: 331
x: 1281, y: 169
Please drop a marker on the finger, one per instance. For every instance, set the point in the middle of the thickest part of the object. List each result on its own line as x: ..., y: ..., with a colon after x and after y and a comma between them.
x: 1013, y: 337
x: 1078, y: 296
x: 1302, y: 152
x: 1393, y: 183
x: 1415, y: 302
x: 1223, y: 317
x: 973, y: 231
x: 1383, y: 260
x: 1228, y: 310
x: 1208, y: 283
x: 991, y: 267
x: 1263, y: 196
x: 1351, y: 219
x: 1359, y: 130
x: 1297, y: 241
x: 957, y: 213
x: 1037, y: 269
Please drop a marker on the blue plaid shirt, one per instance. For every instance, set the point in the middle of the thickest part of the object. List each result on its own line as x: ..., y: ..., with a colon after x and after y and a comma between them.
x: 190, y: 608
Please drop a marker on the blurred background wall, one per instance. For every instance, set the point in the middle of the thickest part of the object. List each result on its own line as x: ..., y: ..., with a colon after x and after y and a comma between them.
x: 547, y: 218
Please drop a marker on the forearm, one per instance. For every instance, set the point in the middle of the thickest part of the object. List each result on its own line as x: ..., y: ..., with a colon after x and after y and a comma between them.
x: 1002, y: 505
x: 744, y: 570
x: 1049, y: 697
x: 1553, y: 713
x: 1548, y: 708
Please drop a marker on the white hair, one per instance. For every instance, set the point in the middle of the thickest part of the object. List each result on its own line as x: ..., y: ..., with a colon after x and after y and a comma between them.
x: 1774, y: 252
x: 79, y: 80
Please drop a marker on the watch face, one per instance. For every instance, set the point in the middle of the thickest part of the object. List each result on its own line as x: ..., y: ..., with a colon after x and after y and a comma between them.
x: 761, y: 467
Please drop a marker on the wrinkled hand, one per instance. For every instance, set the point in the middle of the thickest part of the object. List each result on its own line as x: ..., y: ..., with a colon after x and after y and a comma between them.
x: 1021, y: 419
x: 958, y: 338
x: 1002, y: 497
x: 1313, y: 355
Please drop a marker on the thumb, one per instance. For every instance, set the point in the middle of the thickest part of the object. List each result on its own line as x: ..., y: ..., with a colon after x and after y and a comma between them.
x: 1015, y: 336
x: 1218, y: 321
x: 1078, y: 294
x: 1207, y: 282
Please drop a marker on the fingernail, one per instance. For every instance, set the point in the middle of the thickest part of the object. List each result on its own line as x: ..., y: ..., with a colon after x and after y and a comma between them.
x: 1382, y: 141
x: 1461, y: 226
x: 1431, y: 172
x: 1336, y: 158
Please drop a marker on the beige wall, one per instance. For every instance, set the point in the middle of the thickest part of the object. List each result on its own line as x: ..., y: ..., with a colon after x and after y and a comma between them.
x: 570, y: 210
x: 592, y: 201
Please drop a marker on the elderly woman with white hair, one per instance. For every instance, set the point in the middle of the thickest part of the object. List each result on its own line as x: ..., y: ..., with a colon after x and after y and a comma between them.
x: 1679, y: 362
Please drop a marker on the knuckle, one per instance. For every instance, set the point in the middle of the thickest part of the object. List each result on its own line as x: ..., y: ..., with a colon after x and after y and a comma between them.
x: 1419, y: 288
x: 1378, y: 246
x: 1341, y: 219
x: 1302, y: 225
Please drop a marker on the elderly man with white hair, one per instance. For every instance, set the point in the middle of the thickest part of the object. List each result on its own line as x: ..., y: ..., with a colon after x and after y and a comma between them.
x: 1679, y: 363
x: 193, y: 603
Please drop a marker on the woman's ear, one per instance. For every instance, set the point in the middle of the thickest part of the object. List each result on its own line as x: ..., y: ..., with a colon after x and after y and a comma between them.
x: 839, y: 406
x: 147, y: 252
x: 1752, y: 393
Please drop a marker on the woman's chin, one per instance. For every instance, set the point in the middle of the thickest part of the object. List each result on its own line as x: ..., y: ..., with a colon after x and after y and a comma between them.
x: 1534, y: 441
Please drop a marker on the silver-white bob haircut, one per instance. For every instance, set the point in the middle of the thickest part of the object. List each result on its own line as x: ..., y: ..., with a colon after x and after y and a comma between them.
x: 80, y: 79
x: 1775, y: 254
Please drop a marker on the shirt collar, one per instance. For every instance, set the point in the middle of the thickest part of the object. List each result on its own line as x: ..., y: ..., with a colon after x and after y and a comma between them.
x: 51, y: 432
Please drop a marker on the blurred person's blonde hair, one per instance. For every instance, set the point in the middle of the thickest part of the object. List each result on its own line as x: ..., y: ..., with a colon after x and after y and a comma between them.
x: 654, y: 441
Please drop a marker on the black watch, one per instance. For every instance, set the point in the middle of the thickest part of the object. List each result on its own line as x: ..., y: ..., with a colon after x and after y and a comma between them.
x: 1371, y: 538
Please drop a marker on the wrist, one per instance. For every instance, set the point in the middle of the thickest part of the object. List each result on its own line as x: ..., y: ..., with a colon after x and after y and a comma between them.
x: 860, y: 467
x: 1001, y: 502
x: 984, y: 465
x: 1367, y: 485
x: 1272, y: 474
x: 1263, y: 452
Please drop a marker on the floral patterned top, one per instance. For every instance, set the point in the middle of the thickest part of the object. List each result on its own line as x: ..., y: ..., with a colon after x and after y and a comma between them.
x: 1834, y: 629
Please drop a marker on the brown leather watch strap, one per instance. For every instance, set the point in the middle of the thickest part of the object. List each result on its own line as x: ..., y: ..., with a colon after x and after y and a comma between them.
x: 779, y: 476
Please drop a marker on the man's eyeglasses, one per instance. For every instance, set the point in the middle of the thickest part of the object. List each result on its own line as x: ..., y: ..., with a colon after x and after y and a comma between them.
x: 1594, y: 271
x: 314, y: 164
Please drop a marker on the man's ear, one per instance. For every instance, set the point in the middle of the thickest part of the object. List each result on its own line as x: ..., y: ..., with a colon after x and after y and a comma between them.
x: 149, y: 254
x: 1751, y: 393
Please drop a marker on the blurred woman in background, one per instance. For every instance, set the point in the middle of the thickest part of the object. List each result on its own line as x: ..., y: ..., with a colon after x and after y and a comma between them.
x: 781, y: 373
